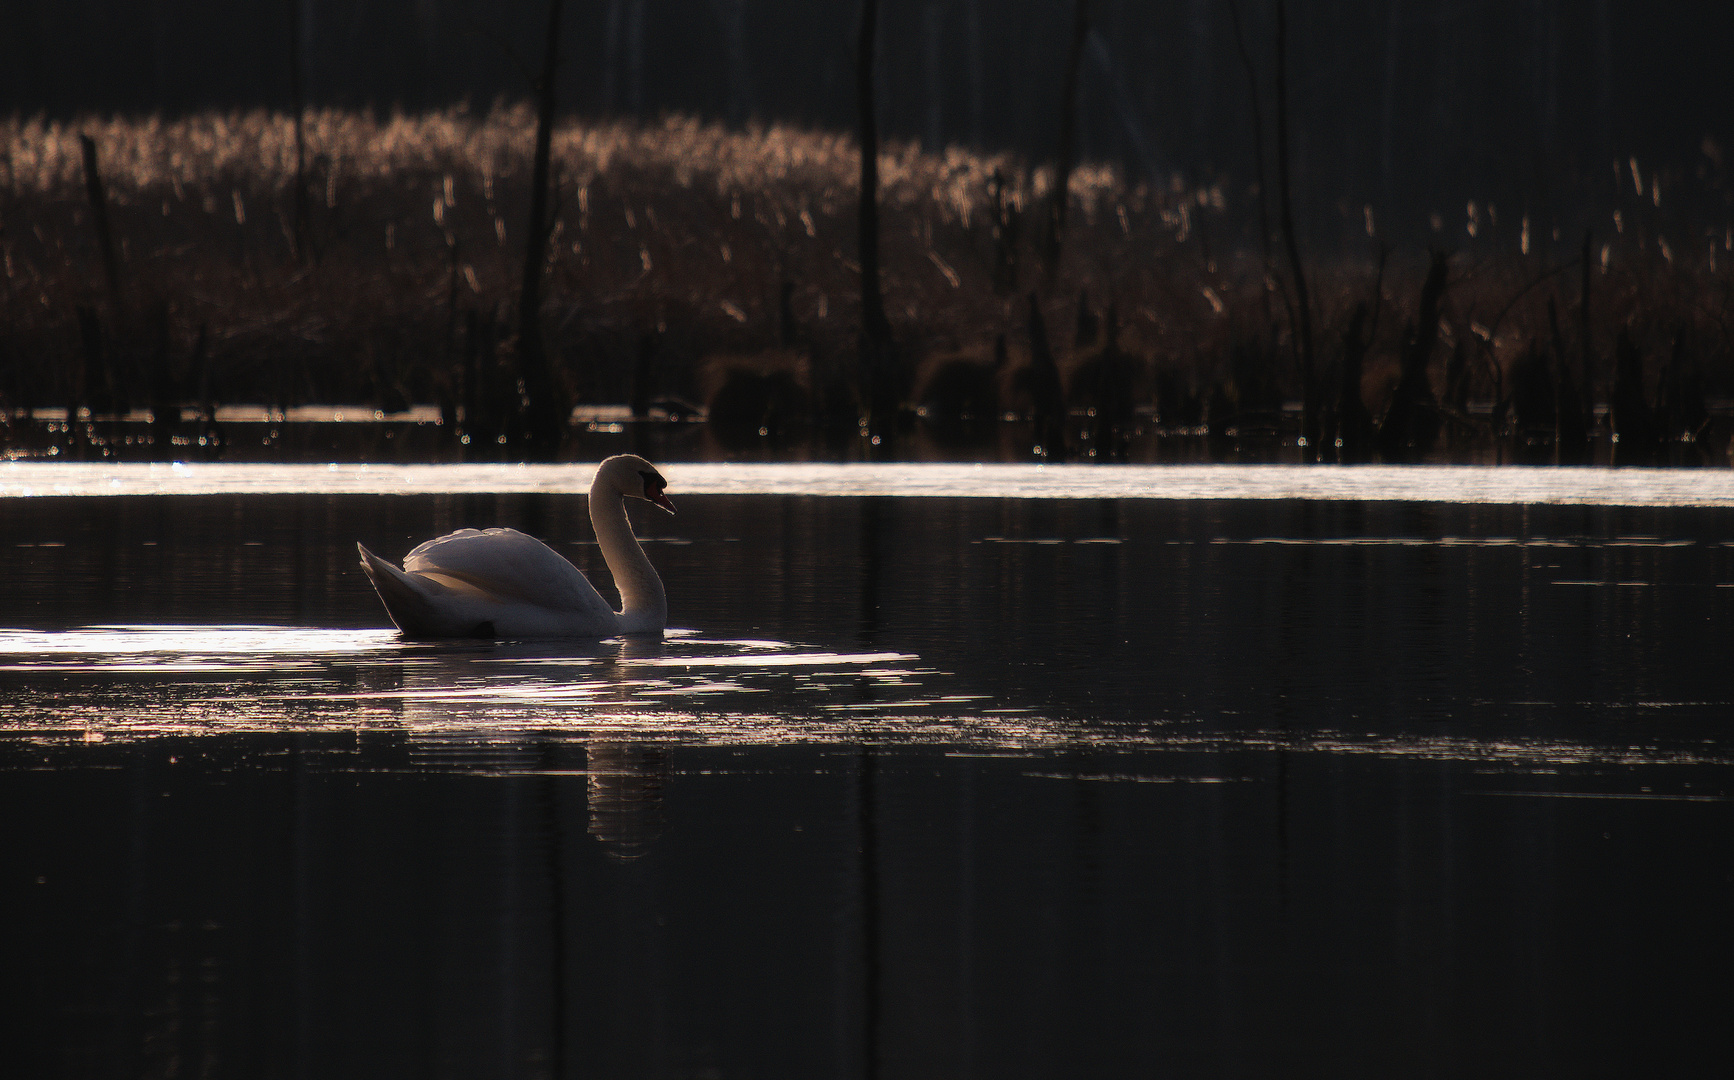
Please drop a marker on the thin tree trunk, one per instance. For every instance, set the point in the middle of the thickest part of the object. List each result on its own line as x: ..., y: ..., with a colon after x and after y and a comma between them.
x: 1354, y: 425
x: 1303, y: 305
x: 1059, y: 197
x: 100, y: 385
x: 1388, y: 110
x: 933, y: 70
x: 611, y: 55
x: 977, y: 77
x: 1257, y: 161
x: 635, y: 58
x: 732, y: 14
x: 878, y: 388
x: 1410, y: 426
x: 1047, y: 395
x: 1569, y: 434
x: 545, y: 414
x: 298, y: 105
x: 99, y: 218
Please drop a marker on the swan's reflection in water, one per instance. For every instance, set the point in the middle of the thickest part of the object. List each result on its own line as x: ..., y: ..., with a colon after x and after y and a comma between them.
x: 625, y: 780
x: 507, y: 709
x: 448, y: 702
x: 625, y: 796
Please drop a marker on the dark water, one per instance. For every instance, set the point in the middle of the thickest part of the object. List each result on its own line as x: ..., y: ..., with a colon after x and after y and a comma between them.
x: 922, y: 787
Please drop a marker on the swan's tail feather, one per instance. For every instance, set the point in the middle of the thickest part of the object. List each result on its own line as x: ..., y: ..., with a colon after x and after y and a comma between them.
x: 406, y: 599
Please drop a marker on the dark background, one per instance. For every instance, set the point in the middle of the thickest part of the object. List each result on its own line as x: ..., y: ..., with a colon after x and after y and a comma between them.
x: 1412, y: 106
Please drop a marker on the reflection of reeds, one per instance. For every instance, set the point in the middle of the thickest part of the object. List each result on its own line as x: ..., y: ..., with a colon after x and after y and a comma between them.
x: 684, y: 232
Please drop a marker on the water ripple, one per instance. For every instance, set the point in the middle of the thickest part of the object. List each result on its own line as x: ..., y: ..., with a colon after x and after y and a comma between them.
x: 103, y: 684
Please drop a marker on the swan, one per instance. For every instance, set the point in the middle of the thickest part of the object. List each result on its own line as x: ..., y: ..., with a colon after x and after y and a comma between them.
x: 500, y: 583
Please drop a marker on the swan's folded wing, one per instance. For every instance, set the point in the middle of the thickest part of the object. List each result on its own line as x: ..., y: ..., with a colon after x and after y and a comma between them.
x: 509, y: 565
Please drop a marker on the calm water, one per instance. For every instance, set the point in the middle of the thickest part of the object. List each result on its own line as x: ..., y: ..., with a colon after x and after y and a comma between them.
x: 932, y: 780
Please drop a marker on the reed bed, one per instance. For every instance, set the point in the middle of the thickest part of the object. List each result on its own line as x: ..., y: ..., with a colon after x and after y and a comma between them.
x: 676, y: 240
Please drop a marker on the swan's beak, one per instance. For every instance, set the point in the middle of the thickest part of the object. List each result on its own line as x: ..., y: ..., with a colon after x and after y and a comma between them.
x: 659, y: 499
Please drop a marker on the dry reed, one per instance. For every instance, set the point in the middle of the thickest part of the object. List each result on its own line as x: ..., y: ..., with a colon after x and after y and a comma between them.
x: 680, y: 234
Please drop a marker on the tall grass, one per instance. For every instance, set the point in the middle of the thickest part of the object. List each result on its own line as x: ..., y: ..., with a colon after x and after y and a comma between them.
x: 672, y: 241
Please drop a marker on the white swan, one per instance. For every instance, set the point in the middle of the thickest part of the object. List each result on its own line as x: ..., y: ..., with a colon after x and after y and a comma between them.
x: 500, y: 583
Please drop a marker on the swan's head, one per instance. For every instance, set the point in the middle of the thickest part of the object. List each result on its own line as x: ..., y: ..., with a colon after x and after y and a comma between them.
x: 636, y: 478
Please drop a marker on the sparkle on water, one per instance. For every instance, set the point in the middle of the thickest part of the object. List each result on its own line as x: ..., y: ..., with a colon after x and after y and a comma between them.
x: 140, y: 682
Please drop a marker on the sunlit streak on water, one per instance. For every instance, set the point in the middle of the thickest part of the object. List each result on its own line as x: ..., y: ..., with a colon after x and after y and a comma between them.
x: 265, y: 642
x: 775, y: 660
x: 1462, y: 541
x: 1390, y: 483
x: 124, y: 683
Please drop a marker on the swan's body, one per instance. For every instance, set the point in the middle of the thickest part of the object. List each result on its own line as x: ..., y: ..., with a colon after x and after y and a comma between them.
x: 499, y: 583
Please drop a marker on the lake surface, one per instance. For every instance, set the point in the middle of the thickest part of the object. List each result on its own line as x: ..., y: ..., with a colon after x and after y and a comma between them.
x: 1013, y: 772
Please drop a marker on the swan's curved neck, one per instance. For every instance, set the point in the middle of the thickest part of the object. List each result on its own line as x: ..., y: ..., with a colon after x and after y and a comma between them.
x: 643, y: 604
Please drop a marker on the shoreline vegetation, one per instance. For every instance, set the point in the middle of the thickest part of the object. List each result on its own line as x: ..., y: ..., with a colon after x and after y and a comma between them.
x: 178, y: 267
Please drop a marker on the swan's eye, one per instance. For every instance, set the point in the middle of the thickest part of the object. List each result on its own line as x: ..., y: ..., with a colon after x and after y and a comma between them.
x: 654, y: 486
